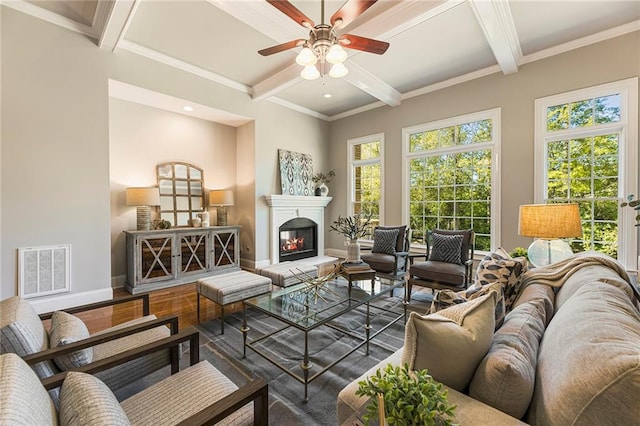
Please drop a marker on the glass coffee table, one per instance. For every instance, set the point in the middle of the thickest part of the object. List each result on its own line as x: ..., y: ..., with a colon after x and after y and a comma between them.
x: 306, y: 308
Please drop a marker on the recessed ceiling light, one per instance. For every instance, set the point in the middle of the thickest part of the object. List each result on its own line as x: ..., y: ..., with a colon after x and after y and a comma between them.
x: 327, y: 95
x: 187, y: 108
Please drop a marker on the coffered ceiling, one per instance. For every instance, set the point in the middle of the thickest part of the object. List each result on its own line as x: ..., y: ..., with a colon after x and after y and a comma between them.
x: 434, y: 43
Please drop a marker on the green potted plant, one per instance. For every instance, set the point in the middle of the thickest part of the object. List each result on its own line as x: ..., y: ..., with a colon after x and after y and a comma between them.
x: 634, y: 204
x: 409, y: 397
x: 352, y: 227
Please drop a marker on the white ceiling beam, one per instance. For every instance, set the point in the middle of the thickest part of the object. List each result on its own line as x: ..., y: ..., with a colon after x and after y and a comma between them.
x: 496, y: 21
x: 262, y: 17
x: 367, y: 82
x: 276, y: 83
x: 117, y: 23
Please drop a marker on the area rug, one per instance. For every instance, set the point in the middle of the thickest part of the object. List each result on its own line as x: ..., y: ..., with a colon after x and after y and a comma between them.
x: 286, y: 405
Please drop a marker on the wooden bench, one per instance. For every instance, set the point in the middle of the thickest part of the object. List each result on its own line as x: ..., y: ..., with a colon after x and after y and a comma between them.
x: 231, y: 287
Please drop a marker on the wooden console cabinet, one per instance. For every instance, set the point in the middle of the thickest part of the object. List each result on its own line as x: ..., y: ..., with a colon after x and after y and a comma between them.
x: 169, y: 257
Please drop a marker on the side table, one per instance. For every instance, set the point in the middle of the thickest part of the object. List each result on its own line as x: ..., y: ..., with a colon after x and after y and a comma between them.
x: 350, y: 276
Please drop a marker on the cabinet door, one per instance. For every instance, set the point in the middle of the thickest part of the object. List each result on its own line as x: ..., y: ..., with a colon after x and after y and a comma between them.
x: 225, y: 247
x: 155, y: 257
x: 194, y: 247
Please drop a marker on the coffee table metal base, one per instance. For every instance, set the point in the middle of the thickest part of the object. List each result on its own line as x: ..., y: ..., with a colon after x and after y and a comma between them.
x: 306, y: 367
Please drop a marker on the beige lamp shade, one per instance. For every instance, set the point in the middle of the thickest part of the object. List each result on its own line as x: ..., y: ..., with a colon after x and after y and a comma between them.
x: 550, y: 221
x: 221, y: 197
x: 143, y: 197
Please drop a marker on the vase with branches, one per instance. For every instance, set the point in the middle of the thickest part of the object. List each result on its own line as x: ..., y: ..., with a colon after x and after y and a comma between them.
x: 352, y: 227
x: 321, y: 179
x: 635, y: 205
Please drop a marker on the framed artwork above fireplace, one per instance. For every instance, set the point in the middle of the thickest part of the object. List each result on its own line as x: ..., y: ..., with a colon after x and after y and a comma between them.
x: 296, y: 170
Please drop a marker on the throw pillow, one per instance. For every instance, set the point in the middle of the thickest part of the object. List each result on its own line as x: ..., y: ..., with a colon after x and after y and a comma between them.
x: 499, y: 266
x: 505, y: 378
x: 446, y: 298
x: 446, y: 248
x: 23, y: 399
x: 451, y: 343
x: 85, y: 400
x: 384, y: 241
x: 66, y: 329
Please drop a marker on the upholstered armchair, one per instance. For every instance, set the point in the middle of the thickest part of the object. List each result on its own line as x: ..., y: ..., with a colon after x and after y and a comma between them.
x: 389, y: 256
x: 449, y: 261
x: 199, y: 394
x: 68, y: 345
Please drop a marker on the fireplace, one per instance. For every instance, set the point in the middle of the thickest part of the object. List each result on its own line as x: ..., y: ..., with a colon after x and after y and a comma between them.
x: 283, y: 208
x: 298, y: 239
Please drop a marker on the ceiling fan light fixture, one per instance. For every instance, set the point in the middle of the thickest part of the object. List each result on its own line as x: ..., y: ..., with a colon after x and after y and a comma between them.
x: 338, y: 70
x: 306, y: 57
x: 336, y: 54
x: 310, y: 72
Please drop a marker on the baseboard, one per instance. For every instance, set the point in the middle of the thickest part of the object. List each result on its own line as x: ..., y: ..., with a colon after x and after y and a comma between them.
x: 118, y: 281
x: 53, y: 303
x: 262, y: 264
x: 248, y: 265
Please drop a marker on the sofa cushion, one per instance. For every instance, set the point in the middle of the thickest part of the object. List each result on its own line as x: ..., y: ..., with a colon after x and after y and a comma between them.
x: 66, y: 329
x: 446, y: 248
x: 589, y: 361
x: 541, y: 292
x: 17, y: 310
x: 384, y: 241
x: 85, y: 400
x: 446, y: 298
x: 451, y: 343
x: 23, y: 399
x: 499, y: 266
x: 506, y: 376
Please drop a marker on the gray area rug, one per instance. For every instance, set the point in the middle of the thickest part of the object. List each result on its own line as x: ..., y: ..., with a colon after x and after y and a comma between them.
x: 286, y: 405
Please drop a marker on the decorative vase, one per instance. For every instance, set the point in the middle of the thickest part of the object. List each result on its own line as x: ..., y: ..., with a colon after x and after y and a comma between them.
x: 353, y: 251
x: 322, y: 190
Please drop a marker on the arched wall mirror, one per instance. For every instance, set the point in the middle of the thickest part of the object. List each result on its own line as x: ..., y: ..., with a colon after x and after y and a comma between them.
x: 181, y: 192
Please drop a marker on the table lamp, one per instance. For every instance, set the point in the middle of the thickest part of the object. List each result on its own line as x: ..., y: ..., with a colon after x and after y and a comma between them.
x: 548, y: 223
x: 221, y: 198
x: 143, y: 198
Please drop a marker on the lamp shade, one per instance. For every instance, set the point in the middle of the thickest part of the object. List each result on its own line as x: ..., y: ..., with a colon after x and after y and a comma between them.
x: 143, y: 197
x: 221, y: 197
x: 550, y: 221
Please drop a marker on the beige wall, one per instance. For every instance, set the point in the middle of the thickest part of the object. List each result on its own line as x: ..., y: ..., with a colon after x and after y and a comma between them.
x: 55, y: 174
x: 140, y: 137
x: 607, y: 61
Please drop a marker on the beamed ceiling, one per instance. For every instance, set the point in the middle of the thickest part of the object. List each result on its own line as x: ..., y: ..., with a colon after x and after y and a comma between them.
x: 433, y: 44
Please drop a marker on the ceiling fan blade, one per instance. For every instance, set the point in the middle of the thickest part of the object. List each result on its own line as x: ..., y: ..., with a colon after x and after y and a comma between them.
x: 292, y: 12
x: 281, y: 47
x: 350, y: 11
x: 363, y: 43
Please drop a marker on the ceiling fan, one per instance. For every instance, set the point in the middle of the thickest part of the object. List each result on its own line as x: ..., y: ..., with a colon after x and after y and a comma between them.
x: 324, y: 44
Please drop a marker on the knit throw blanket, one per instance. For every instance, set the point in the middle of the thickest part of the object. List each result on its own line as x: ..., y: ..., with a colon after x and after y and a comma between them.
x: 557, y: 273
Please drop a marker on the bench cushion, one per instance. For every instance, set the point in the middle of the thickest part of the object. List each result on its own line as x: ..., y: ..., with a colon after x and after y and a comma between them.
x: 233, y: 286
x: 284, y: 274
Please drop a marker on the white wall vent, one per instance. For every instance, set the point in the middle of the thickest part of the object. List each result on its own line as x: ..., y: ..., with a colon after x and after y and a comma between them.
x: 44, y: 270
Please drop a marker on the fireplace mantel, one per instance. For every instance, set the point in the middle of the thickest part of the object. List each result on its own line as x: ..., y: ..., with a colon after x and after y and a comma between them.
x: 285, y: 207
x: 297, y: 201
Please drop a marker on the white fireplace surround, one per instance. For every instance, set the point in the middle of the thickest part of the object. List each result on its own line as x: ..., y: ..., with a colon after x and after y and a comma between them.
x: 283, y: 208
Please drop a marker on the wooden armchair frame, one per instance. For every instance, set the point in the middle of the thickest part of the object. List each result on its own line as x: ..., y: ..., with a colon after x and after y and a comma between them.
x: 255, y: 390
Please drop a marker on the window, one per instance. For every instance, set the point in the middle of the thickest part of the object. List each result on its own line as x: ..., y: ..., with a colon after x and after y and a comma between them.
x: 365, y: 180
x: 452, y: 176
x: 586, y: 153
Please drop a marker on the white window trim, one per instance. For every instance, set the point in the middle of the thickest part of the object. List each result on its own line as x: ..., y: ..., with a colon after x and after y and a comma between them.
x: 351, y: 163
x: 628, y: 154
x: 494, y: 115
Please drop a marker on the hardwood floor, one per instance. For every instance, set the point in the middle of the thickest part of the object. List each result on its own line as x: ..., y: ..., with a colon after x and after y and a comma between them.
x: 179, y: 300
